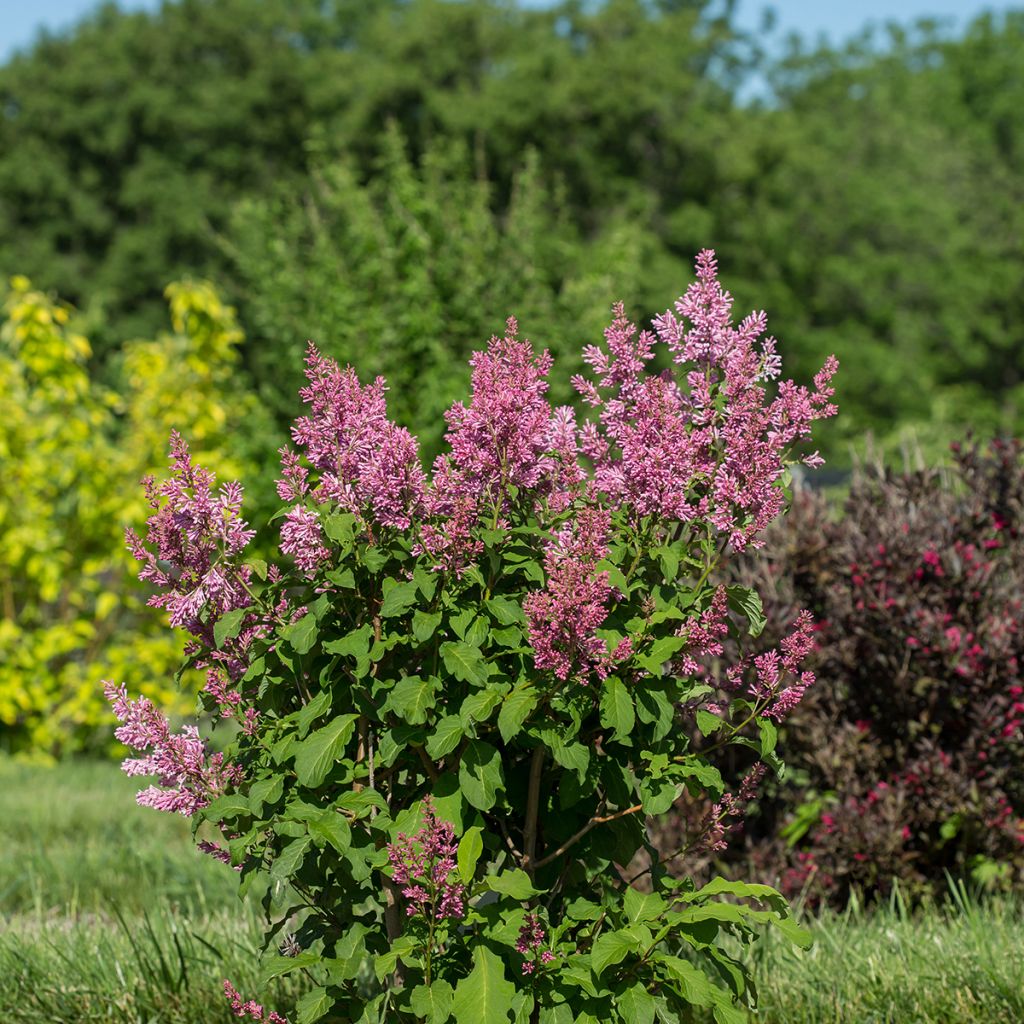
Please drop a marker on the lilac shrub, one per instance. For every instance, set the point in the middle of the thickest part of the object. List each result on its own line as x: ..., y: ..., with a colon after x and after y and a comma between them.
x: 461, y: 695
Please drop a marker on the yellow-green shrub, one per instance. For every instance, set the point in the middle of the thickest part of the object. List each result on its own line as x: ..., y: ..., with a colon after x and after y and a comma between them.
x: 72, y: 452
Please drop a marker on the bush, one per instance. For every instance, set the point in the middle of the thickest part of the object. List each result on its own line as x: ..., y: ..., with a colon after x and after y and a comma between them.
x: 402, y: 276
x: 73, y: 452
x: 907, y: 761
x: 458, y: 704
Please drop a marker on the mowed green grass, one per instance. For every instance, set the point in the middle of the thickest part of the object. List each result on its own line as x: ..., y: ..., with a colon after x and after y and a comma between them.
x: 108, y: 914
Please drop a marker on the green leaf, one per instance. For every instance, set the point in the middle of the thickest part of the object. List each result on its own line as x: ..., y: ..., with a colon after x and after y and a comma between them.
x: 465, y: 662
x: 424, y: 624
x: 355, y: 645
x: 668, y: 557
x: 611, y: 948
x: 312, y: 1006
x: 480, y: 775
x: 664, y: 648
x: 515, y: 883
x: 228, y: 807
x: 445, y: 738
x: 571, y: 756
x: 748, y: 603
x: 401, y: 948
x: 332, y: 828
x: 636, y: 1005
x: 228, y: 626
x: 265, y: 791
x: 287, y: 862
x: 259, y: 567
x: 398, y: 599
x: 413, y: 697
x: 471, y: 845
x: 641, y: 907
x: 617, y: 708
x: 708, y: 723
x: 515, y: 709
x: 432, y: 1004
x: 505, y: 611
x: 615, y: 575
x: 301, y: 634
x: 276, y: 966
x: 317, y: 753
x: 485, y: 995
x: 318, y: 706
x: 477, y: 707
x: 769, y: 735
x: 694, y: 986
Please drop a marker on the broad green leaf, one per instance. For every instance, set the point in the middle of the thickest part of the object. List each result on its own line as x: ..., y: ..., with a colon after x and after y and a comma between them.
x: 318, y: 706
x: 276, y: 966
x: 617, y: 708
x: 312, y: 1006
x: 769, y: 735
x: 640, y: 907
x: 664, y: 648
x: 748, y: 603
x: 668, y: 557
x: 424, y: 624
x: 265, y: 791
x: 471, y: 845
x: 302, y: 634
x: 398, y: 599
x: 515, y: 883
x: 515, y: 709
x: 480, y: 775
x: 332, y: 828
x: 477, y: 707
x: 259, y: 566
x: 708, y: 723
x: 317, y: 753
x: 465, y: 662
x: 693, y: 985
x: 636, y: 1005
x: 506, y: 611
x: 287, y: 862
x: 228, y: 807
x: 412, y: 698
x: 445, y: 738
x: 615, y: 575
x: 611, y: 948
x: 401, y: 948
x: 485, y: 995
x: 228, y: 626
x: 355, y: 645
x: 432, y: 1004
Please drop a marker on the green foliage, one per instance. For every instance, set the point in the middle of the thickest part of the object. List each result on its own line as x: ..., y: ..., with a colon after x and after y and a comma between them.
x: 896, y: 167
x: 404, y: 275
x: 73, y: 451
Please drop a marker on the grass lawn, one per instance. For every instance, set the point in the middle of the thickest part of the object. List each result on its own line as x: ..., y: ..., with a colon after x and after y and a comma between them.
x: 108, y: 914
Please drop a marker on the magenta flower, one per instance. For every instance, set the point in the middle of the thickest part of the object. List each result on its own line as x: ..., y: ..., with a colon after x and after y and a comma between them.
x: 250, y: 1009
x: 563, y: 617
x: 425, y: 866
x: 188, y: 778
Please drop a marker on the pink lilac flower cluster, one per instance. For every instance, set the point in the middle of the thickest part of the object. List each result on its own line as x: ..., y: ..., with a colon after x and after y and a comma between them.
x: 424, y: 865
x: 529, y: 942
x: 250, y: 1009
x: 508, y: 441
x: 365, y: 463
x: 727, y: 815
x: 192, y: 555
x: 562, y: 618
x: 777, y: 679
x: 194, y: 534
x: 188, y: 778
x: 715, y: 450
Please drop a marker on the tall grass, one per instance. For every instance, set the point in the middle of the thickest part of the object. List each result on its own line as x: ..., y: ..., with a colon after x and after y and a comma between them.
x: 108, y: 915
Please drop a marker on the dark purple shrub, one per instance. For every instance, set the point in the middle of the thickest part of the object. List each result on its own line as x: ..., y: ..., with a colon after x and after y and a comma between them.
x: 906, y: 757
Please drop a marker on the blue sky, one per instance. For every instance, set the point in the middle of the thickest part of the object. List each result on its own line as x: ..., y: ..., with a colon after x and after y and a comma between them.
x: 20, y: 20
